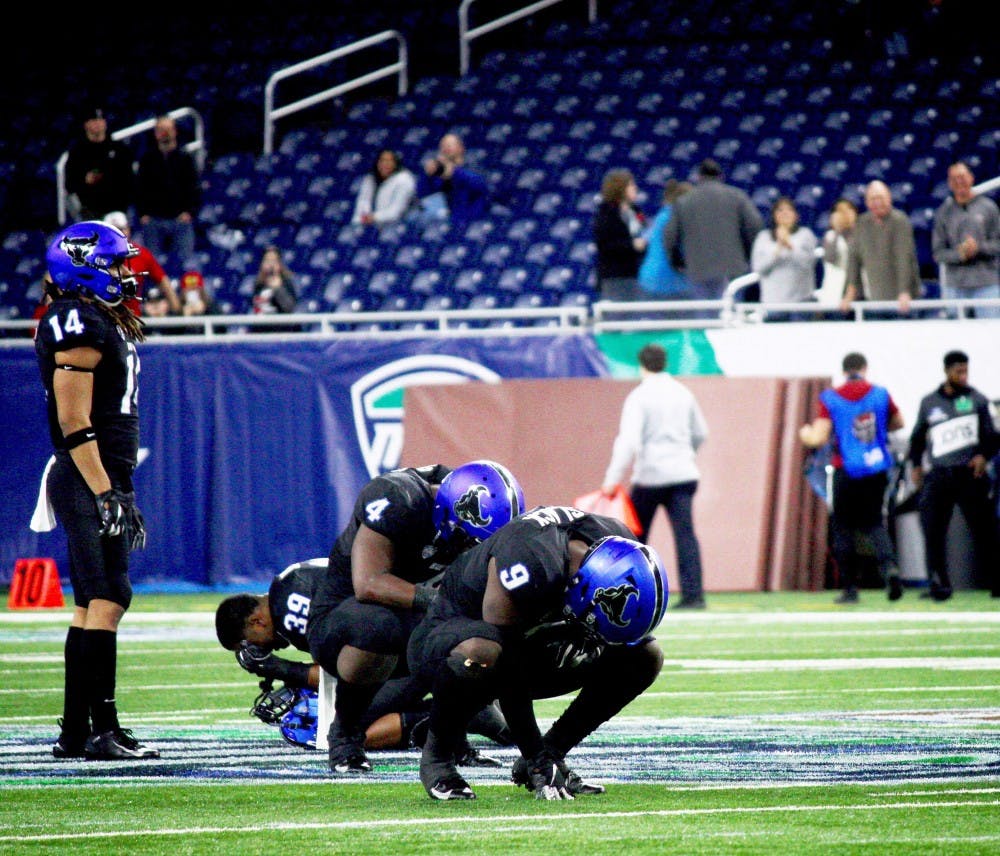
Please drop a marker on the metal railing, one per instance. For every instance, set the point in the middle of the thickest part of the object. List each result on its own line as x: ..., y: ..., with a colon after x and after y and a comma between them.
x: 196, y: 147
x: 272, y: 113
x: 466, y: 36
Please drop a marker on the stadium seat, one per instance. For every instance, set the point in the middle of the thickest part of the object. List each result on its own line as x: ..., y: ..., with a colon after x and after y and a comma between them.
x: 469, y: 281
x: 427, y: 282
x: 496, y: 255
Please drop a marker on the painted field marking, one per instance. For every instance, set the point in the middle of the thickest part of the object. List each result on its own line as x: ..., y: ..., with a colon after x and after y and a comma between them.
x: 389, y: 823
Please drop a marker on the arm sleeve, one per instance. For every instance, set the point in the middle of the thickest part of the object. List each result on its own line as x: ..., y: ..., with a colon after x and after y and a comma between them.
x: 905, y: 251
x: 989, y: 247
x: 699, y: 427
x: 363, y: 202
x: 943, y: 252
x: 853, y: 265
x: 918, y: 439
x: 763, y: 256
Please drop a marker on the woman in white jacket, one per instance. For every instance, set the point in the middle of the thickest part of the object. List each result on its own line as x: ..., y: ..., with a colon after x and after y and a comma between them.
x: 387, y: 193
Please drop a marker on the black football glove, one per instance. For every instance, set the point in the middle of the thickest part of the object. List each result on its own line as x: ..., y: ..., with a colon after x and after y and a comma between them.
x: 546, y: 779
x: 425, y: 593
x: 111, y: 507
x: 136, y: 524
x: 260, y: 661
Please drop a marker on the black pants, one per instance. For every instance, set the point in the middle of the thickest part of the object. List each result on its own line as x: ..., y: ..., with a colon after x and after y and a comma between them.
x: 677, y: 499
x: 857, y: 524
x: 945, y: 488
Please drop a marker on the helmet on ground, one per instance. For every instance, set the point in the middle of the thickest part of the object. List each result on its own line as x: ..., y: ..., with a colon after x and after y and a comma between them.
x: 474, y: 500
x: 83, y: 258
x: 620, y: 590
x: 299, y: 725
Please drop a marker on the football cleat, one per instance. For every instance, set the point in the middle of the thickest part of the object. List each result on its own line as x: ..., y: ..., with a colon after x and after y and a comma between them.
x: 347, y: 751
x: 574, y: 784
x: 354, y: 763
x: 66, y: 747
x: 438, y: 774
x: 468, y: 756
x: 895, y: 587
x: 452, y: 787
x: 117, y: 745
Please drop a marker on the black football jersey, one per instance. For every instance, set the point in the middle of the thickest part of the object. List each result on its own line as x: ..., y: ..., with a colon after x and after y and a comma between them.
x: 532, y: 560
x: 289, y: 598
x: 399, y: 505
x: 70, y: 323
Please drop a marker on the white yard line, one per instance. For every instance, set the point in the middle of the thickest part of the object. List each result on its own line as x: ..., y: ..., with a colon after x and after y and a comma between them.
x: 478, y: 822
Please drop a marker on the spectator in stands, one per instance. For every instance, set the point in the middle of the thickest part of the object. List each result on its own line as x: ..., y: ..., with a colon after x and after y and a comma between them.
x: 449, y: 189
x: 882, y: 258
x: 148, y: 271
x: 966, y: 242
x: 617, y: 227
x: 169, y: 195
x: 196, y: 300
x: 387, y: 193
x: 99, y: 171
x: 784, y: 256
x: 274, y: 287
x: 836, y: 240
x: 657, y: 277
x: 156, y: 305
x: 711, y: 234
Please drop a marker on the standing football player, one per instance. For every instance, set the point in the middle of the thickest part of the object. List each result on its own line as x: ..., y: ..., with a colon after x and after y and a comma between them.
x: 356, y: 618
x: 85, y: 344
x: 557, y: 600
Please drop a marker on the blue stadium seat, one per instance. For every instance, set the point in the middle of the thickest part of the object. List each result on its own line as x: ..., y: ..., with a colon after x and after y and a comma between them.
x: 323, y: 259
x: 366, y: 258
x: 427, y: 282
x: 880, y: 119
x: 878, y: 168
x: 548, y: 204
x: 540, y: 253
x: 456, y: 255
x: 582, y: 251
x: 340, y: 285
x: 576, y: 177
x: 857, y: 144
x: 397, y: 303
x: 469, y: 281
x: 514, y: 280
x: 497, y: 255
x: 439, y: 302
x: 540, y: 132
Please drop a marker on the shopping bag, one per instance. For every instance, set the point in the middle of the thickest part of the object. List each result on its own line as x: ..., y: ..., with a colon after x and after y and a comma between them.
x: 618, y: 505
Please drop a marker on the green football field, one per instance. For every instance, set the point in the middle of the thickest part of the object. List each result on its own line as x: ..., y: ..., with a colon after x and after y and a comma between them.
x: 780, y: 723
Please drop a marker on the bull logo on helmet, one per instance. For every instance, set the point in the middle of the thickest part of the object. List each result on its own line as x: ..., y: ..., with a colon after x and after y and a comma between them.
x: 613, y: 601
x: 77, y: 249
x: 469, y: 508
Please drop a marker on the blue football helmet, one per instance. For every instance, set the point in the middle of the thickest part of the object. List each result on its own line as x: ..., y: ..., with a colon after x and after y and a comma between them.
x: 474, y: 500
x: 299, y: 725
x: 83, y: 258
x: 620, y: 590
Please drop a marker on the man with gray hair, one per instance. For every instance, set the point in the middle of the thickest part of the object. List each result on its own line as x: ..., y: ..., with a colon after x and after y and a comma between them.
x: 882, y: 258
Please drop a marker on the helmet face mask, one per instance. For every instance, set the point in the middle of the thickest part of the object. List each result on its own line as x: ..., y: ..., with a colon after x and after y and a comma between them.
x: 619, y: 591
x: 474, y: 501
x: 88, y: 258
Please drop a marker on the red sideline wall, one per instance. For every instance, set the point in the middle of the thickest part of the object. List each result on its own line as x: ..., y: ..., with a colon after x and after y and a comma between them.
x: 760, y: 526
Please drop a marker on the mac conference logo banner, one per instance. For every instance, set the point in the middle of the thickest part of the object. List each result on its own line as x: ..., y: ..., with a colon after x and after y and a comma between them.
x: 377, y: 402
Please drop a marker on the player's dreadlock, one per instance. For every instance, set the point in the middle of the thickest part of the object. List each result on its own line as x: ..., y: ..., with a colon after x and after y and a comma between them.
x: 129, y: 323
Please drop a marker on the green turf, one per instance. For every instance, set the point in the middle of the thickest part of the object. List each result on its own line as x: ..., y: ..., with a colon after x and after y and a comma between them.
x: 754, y: 668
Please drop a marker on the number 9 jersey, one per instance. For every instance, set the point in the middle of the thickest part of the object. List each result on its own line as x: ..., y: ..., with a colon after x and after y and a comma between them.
x: 72, y: 323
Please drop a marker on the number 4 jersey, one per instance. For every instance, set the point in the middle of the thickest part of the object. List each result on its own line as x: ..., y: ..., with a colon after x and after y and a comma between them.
x: 71, y: 323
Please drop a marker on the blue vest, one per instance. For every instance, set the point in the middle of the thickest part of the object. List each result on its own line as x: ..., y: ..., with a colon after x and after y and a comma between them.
x: 861, y: 429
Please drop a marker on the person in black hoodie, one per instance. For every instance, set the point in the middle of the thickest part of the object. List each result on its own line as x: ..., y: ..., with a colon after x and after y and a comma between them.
x: 617, y: 228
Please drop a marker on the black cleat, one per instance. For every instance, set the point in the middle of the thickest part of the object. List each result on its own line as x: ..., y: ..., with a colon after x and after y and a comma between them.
x: 66, y: 747
x: 468, y: 756
x: 847, y: 596
x: 940, y: 593
x: 438, y: 774
x: 895, y: 587
x: 347, y: 751
x: 690, y: 603
x: 520, y: 776
x: 117, y: 745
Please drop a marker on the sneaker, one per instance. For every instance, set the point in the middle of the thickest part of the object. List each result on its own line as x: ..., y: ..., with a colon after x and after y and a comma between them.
x: 574, y: 784
x: 940, y: 593
x: 69, y: 744
x: 346, y: 751
x: 490, y: 723
x: 847, y: 596
x: 895, y: 587
x: 117, y: 745
x: 468, y: 756
x: 67, y: 747
x: 690, y: 603
x: 354, y: 762
x: 438, y: 774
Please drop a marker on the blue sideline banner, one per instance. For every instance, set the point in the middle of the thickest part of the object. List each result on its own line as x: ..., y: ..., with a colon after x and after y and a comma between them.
x: 252, y: 453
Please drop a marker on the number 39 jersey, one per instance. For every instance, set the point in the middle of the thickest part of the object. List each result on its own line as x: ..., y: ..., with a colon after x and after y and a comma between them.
x: 398, y: 505
x: 532, y: 561
x: 290, y: 597
x: 70, y: 323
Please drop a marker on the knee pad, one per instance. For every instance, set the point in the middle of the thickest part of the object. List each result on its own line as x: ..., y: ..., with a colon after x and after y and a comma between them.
x: 468, y: 671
